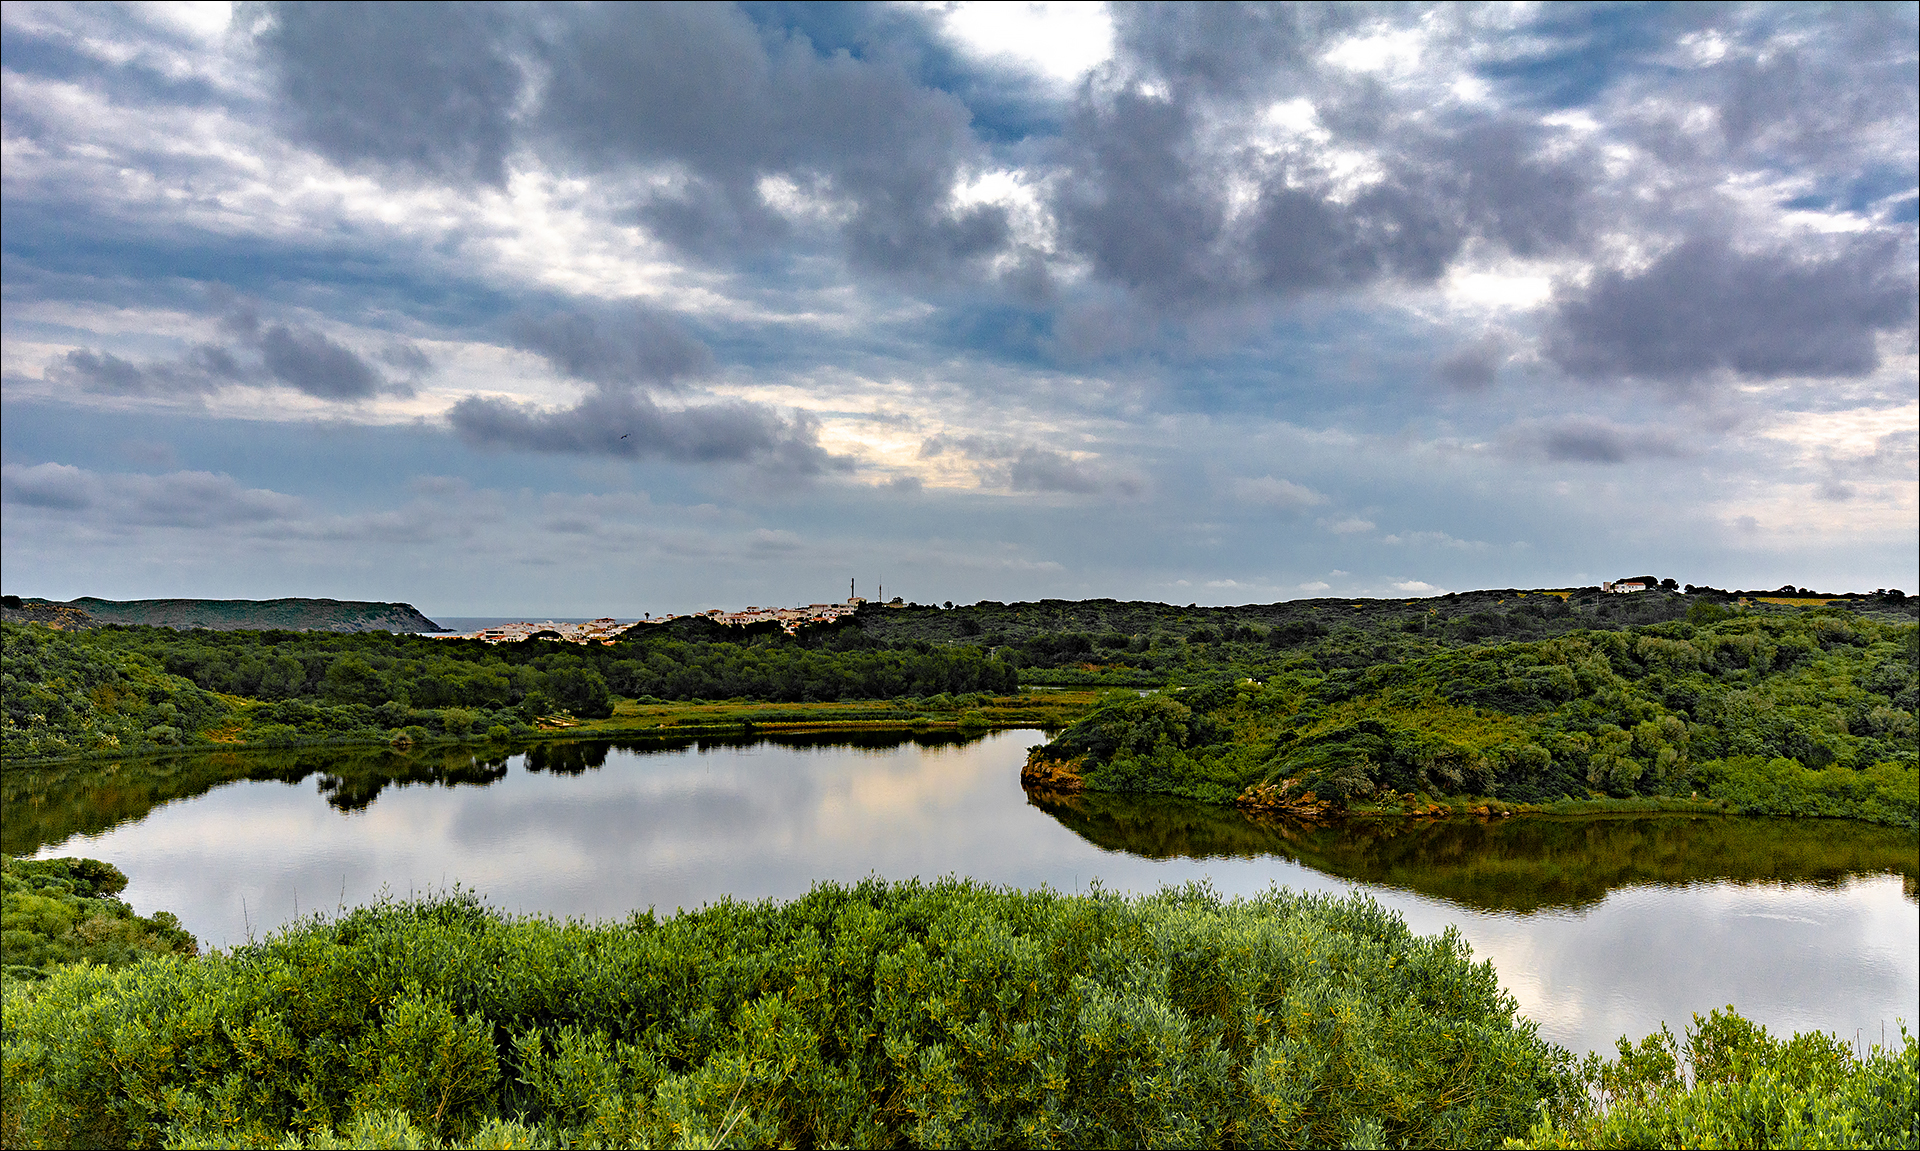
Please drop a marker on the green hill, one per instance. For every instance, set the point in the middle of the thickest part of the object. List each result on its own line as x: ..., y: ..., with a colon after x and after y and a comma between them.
x: 251, y: 614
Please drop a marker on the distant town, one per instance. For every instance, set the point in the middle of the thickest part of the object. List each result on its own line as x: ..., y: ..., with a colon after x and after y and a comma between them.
x: 606, y: 629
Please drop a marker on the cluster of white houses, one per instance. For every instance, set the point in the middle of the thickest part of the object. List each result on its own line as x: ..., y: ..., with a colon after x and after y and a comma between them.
x: 791, y: 619
x: 602, y: 630
x: 607, y: 629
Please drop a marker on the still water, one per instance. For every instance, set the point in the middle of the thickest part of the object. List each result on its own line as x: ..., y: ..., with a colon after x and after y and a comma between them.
x: 1598, y: 927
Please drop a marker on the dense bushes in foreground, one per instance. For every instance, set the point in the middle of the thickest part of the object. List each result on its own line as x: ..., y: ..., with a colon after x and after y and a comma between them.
x: 882, y: 1015
x: 872, y: 1015
x: 1807, y: 715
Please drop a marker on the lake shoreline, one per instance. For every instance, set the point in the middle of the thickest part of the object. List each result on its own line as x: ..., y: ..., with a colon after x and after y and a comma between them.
x: 1049, y: 711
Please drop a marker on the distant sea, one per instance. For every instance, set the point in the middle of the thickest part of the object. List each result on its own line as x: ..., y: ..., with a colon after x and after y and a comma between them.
x: 463, y: 624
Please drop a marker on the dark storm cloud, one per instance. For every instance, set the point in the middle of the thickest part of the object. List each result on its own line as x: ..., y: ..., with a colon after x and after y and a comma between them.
x: 298, y: 356
x: 626, y: 425
x: 427, y: 87
x: 1706, y: 307
x: 697, y: 89
x: 205, y: 369
x: 104, y: 372
x: 857, y: 111
x: 625, y: 354
x: 1589, y: 440
x: 700, y: 87
x: 175, y: 499
x: 634, y: 346
x: 307, y: 360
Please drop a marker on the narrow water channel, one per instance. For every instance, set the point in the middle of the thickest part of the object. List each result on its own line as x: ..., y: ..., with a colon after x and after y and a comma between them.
x: 1598, y: 927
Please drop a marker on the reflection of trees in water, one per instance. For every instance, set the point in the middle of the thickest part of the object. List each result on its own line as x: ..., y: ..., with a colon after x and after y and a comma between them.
x: 1523, y: 864
x: 46, y: 805
x: 353, y: 791
x: 567, y: 758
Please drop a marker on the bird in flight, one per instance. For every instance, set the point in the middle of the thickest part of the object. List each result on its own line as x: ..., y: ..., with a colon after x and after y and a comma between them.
x: 625, y: 436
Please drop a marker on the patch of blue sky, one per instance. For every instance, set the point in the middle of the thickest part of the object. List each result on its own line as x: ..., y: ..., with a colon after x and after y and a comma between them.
x: 59, y: 250
x: 28, y: 52
x: 1577, y: 51
x: 1315, y: 364
x: 1877, y: 186
x: 1005, y: 333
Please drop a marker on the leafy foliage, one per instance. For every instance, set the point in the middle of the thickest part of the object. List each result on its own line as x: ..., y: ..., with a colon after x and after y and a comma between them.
x: 873, y: 1015
x: 142, y: 689
x: 1116, y: 643
x: 790, y: 672
x: 1809, y: 714
x: 63, y: 694
x: 1732, y: 1085
x: 60, y: 911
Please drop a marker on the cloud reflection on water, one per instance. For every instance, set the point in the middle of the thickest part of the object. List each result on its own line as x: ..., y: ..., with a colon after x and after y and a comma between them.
x: 683, y: 828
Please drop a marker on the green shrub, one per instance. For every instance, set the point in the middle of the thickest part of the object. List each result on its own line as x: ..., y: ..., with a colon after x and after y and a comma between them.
x: 1732, y: 1085
x: 878, y: 1014
x: 60, y: 911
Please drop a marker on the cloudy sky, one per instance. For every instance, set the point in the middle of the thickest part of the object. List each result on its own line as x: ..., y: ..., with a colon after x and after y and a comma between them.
x: 578, y: 310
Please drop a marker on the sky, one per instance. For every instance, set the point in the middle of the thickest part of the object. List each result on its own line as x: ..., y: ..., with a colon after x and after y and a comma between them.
x: 580, y: 310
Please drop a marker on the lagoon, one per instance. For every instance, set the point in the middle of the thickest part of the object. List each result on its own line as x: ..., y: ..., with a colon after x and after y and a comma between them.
x: 1598, y: 927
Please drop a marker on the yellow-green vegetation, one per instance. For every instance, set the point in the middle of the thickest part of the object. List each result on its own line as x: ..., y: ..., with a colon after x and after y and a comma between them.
x: 1809, y: 714
x: 59, y: 911
x: 1050, y: 709
x: 873, y: 1015
x: 1730, y: 1084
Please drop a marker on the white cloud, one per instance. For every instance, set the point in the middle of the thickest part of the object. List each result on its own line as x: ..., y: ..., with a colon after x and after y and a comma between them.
x: 1059, y: 40
x: 1432, y: 539
x: 1284, y: 495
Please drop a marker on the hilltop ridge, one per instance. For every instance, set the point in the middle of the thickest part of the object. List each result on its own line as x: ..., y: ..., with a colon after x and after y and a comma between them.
x: 292, y: 614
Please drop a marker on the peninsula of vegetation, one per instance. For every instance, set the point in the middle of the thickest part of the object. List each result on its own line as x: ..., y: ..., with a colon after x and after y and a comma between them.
x: 1808, y: 714
x: 1786, y: 703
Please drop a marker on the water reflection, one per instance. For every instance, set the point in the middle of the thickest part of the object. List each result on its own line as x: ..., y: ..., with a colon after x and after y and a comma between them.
x: 1521, y: 864
x: 1599, y: 928
x: 50, y: 805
